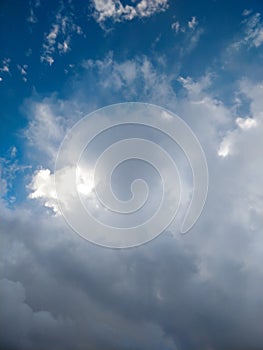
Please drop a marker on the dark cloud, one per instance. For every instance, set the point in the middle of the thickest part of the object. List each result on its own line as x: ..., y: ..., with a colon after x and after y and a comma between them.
x: 61, y: 292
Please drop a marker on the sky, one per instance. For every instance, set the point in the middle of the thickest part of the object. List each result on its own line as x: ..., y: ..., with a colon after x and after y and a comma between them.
x: 200, y: 60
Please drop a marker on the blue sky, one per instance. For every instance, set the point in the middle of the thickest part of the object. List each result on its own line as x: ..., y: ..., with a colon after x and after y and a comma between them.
x: 24, y: 27
x: 59, y: 61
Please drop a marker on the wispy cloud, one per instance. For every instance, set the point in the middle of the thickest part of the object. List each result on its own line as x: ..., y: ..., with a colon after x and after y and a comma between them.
x: 5, y: 65
x: 33, y: 6
x: 192, y: 32
x: 58, y: 40
x: 23, y: 70
x: 252, y: 32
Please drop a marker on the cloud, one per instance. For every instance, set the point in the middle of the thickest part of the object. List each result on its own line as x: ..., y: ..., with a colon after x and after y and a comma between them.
x: 251, y: 34
x: 77, y: 308
x: 193, y: 23
x: 10, y: 170
x: 133, y: 78
x: 23, y: 70
x: 189, y: 292
x: 115, y: 11
x: 32, y: 17
x: 246, y: 12
x: 3, y: 184
x: 176, y: 26
x: 254, y: 30
x: 191, y: 32
x: 33, y: 6
x: 25, y: 320
x: 42, y: 186
x: 248, y: 128
x: 58, y: 39
x: 5, y: 67
x: 46, y: 126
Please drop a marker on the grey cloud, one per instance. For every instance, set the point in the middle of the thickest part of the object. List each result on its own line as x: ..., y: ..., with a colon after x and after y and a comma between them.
x: 66, y: 292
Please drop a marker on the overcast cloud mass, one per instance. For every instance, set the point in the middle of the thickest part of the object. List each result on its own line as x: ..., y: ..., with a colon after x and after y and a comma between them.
x: 201, y: 60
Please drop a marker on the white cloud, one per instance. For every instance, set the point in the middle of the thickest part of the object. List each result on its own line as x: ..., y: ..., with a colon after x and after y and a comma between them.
x: 115, y: 11
x: 13, y: 152
x: 64, y: 47
x: 49, y: 45
x: 136, y: 77
x: 46, y: 129
x: 32, y: 17
x: 226, y: 145
x: 59, y: 37
x: 196, y: 88
x: 249, y: 128
x: 192, y: 34
x: 193, y: 23
x: 246, y: 12
x: 33, y: 6
x: 42, y: 186
x: 254, y: 30
x: 191, y: 31
x: 252, y: 33
x: 23, y: 70
x: 176, y: 26
x: 5, y: 65
x: 246, y: 123
x: 85, y: 181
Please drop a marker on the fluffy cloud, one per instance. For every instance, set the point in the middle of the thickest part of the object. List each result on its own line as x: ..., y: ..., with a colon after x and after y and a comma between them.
x: 43, y: 186
x: 117, y: 12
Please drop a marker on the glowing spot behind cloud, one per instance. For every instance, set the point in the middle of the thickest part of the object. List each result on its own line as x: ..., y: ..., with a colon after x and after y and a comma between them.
x: 85, y: 181
x: 224, y: 148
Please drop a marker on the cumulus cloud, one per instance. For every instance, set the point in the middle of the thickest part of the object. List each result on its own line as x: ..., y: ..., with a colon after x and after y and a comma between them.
x: 115, y: 11
x: 190, y: 292
x: 43, y: 187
